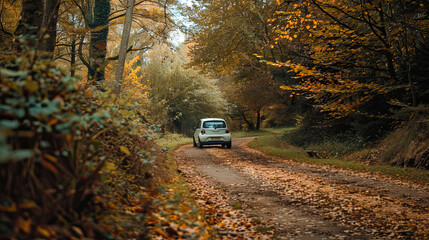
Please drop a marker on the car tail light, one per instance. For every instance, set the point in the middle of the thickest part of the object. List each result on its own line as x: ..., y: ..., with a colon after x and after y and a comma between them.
x: 203, y: 131
x: 227, y: 131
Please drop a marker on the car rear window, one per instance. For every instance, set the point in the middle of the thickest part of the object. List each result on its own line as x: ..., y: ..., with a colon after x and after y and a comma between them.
x: 214, y: 124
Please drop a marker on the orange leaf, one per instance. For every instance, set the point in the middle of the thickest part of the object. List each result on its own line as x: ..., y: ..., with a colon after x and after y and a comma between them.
x: 77, y: 230
x: 152, y: 221
x: 137, y: 209
x: 27, y: 205
x: 44, y: 232
x: 24, y: 225
x: 160, y: 232
x: 111, y: 205
x: 51, y: 158
x: 49, y: 166
x: 69, y: 137
x: 52, y: 121
x: 11, y: 208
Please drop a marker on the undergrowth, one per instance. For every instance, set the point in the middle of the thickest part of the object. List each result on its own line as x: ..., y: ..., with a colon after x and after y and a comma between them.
x: 261, y: 132
x: 276, y: 145
x: 407, y: 146
x: 176, y: 205
x: 77, y: 163
x: 51, y: 159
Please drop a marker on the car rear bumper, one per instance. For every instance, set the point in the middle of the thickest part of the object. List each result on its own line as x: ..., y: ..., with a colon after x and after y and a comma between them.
x: 207, y: 139
x: 215, y: 142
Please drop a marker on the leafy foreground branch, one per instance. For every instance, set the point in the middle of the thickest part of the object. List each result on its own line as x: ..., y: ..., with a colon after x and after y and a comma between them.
x: 76, y: 165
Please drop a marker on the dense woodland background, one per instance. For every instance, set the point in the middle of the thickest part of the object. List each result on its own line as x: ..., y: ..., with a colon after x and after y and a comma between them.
x: 87, y: 85
x: 346, y: 73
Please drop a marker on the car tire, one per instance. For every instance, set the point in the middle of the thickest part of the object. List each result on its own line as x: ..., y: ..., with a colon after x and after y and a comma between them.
x: 200, y: 144
x: 228, y: 144
x: 193, y: 140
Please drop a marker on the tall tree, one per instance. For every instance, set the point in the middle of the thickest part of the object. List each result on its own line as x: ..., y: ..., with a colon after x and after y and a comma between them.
x: 30, y: 22
x: 48, y: 35
x: 124, y: 46
x: 151, y: 23
x: 9, y: 17
x: 179, y: 96
x: 227, y: 35
x: 354, y: 53
x: 38, y: 24
x: 71, y: 28
x: 98, y: 23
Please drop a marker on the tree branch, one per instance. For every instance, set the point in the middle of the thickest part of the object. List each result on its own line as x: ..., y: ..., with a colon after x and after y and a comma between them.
x: 80, y: 54
x: 330, y: 15
x: 130, y: 49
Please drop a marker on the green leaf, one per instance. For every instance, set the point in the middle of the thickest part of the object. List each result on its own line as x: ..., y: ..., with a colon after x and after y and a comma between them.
x: 11, y: 73
x: 9, y: 124
x: 22, y: 154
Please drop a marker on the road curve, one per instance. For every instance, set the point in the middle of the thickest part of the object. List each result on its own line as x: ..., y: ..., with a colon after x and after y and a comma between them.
x: 304, y: 201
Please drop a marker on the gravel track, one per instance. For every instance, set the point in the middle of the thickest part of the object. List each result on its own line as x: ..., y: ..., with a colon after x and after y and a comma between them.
x: 304, y: 201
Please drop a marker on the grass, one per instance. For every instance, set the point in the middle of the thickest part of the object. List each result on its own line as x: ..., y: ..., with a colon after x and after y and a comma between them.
x: 270, y: 142
x: 237, y: 205
x: 173, y: 141
x: 256, y: 220
x: 170, y: 144
x: 264, y: 228
x: 261, y: 132
x: 172, y: 179
x: 176, y: 202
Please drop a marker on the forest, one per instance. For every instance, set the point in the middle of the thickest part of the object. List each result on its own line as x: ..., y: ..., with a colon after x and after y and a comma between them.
x: 96, y: 93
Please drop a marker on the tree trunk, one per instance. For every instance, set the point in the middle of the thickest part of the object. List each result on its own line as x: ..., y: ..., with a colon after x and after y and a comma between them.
x: 29, y: 23
x: 249, y: 124
x: 99, y: 26
x: 258, y: 119
x: 73, y: 57
x: 407, y: 51
x: 123, y: 47
x: 48, y: 32
x: 387, y: 53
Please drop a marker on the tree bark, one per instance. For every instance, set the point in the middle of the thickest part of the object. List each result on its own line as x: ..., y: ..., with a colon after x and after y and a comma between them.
x: 99, y: 25
x: 29, y: 23
x: 258, y: 119
x: 48, y: 32
x: 123, y: 47
x: 249, y: 124
x: 73, y: 57
x: 407, y: 51
x: 387, y: 53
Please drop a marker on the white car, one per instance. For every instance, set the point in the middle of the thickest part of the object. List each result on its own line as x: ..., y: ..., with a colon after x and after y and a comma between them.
x: 212, y: 131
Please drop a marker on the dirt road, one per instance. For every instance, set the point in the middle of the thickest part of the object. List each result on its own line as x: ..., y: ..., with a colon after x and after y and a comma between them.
x: 299, y: 201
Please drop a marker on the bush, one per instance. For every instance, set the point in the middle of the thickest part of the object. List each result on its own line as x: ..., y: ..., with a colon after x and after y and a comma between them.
x: 59, y: 148
x: 407, y: 146
x: 49, y: 165
x: 338, y: 137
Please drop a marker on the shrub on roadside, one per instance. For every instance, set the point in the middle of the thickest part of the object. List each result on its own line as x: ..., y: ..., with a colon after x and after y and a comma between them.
x: 49, y: 166
x: 365, y: 140
x: 65, y: 153
x: 335, y: 137
x: 407, y: 146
